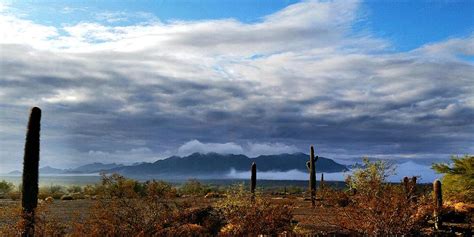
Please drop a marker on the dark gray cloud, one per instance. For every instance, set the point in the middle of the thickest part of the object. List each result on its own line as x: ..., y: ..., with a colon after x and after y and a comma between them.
x: 150, y: 91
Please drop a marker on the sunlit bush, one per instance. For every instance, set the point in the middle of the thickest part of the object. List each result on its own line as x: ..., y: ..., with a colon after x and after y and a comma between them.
x: 376, y: 207
x: 247, y: 215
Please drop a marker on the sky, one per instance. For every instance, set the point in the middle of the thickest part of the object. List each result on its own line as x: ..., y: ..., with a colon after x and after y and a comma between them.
x: 134, y: 81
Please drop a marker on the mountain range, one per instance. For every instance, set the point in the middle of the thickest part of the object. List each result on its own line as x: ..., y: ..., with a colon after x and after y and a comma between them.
x: 198, y: 165
x: 95, y: 167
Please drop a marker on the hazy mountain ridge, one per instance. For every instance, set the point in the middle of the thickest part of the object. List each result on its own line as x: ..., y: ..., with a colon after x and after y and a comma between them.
x: 200, y: 165
x: 95, y: 167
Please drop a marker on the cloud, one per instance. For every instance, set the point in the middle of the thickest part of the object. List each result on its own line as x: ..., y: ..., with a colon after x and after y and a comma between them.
x: 196, y: 146
x: 406, y: 169
x: 300, y: 76
x: 297, y: 27
x: 250, y: 149
x: 256, y: 149
x: 450, y: 48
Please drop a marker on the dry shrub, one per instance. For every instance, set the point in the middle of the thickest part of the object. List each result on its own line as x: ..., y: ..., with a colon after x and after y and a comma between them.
x: 252, y: 216
x: 14, y: 195
x: 147, y: 217
x: 48, y: 224
x: 203, y: 220
x: 386, y: 213
x: 124, y: 217
x: 195, y: 188
x: 45, y: 223
x: 159, y: 189
x: 9, y: 219
x: 335, y: 198
x: 376, y: 207
x: 129, y: 208
x: 55, y: 191
x: 116, y: 185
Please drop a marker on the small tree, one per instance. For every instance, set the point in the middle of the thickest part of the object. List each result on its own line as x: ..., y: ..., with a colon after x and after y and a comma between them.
x: 371, y: 177
x: 458, y: 179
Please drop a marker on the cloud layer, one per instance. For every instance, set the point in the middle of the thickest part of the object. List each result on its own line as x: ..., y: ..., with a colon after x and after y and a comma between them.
x: 250, y: 149
x: 300, y: 76
x: 407, y: 169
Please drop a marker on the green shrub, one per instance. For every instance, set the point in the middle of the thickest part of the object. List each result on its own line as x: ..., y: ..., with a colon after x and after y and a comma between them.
x: 458, y: 179
x: 74, y: 189
x: 371, y: 178
x: 194, y: 187
x: 5, y: 188
x: 55, y: 191
x: 92, y: 190
x: 116, y: 185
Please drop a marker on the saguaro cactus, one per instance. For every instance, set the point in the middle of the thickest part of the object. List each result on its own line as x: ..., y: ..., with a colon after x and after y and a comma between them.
x: 438, y: 203
x: 253, y: 179
x: 413, y: 189
x: 311, y: 165
x: 321, y: 184
x: 29, y: 199
x: 409, y: 186
x: 406, y: 184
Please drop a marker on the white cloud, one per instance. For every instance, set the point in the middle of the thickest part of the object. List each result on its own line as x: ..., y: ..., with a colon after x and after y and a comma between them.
x: 256, y: 149
x: 297, y: 27
x: 450, y: 48
x: 221, y: 148
x: 424, y: 173
x: 18, y: 31
x: 249, y: 149
x: 67, y: 96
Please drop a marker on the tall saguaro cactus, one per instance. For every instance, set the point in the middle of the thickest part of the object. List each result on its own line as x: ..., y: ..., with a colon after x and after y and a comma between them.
x: 438, y: 203
x: 253, y: 179
x: 311, y: 165
x: 29, y: 199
